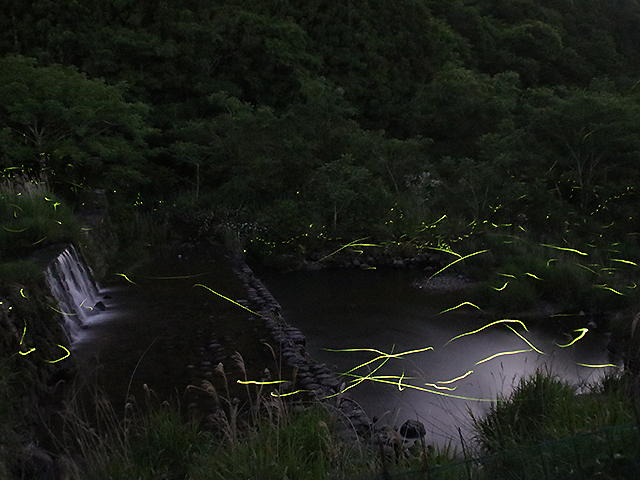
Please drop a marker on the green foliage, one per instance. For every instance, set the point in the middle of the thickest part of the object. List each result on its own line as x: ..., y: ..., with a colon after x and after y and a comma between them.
x: 159, y: 443
x: 288, y: 114
x: 54, y: 119
x: 294, y: 445
x: 543, y: 407
x: 31, y: 216
x: 21, y: 272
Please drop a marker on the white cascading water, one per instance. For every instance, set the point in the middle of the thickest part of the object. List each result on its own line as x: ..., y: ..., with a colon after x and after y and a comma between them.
x: 72, y: 285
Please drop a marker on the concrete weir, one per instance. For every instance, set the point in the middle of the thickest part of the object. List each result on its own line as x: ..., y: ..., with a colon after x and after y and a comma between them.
x: 315, y: 379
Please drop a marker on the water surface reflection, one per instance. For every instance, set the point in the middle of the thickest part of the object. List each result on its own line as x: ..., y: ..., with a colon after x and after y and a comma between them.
x: 380, y: 309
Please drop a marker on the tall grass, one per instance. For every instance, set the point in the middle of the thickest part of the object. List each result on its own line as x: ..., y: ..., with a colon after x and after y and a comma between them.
x: 31, y: 216
x: 277, y: 441
x: 543, y: 407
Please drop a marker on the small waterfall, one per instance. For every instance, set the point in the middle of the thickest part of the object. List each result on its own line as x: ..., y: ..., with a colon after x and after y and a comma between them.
x: 72, y: 285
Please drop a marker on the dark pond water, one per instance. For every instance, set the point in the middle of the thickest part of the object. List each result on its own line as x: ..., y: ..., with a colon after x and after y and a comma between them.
x: 380, y: 309
x: 160, y: 331
x: 165, y: 333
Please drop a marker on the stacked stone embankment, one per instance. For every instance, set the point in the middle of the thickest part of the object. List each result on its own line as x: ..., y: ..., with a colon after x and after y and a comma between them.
x: 315, y: 379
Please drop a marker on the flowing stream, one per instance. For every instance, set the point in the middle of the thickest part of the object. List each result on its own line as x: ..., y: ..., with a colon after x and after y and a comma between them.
x: 162, y: 331
x: 381, y: 309
x: 72, y: 285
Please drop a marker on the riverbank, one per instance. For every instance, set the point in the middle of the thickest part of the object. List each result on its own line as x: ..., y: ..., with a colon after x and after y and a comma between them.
x: 310, y: 379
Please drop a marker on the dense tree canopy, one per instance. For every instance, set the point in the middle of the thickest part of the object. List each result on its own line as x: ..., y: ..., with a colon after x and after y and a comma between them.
x: 352, y: 118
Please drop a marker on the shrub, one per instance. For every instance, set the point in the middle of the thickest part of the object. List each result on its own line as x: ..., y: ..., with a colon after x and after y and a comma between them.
x: 23, y: 272
x: 543, y: 407
x: 31, y: 216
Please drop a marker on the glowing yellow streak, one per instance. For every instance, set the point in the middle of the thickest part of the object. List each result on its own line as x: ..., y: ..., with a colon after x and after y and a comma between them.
x: 24, y: 331
x: 605, y: 287
x: 573, y: 250
x: 400, y: 383
x: 227, y: 298
x: 506, y: 320
x: 277, y: 395
x: 62, y: 313
x: 178, y: 277
x: 351, y: 244
x: 526, y: 341
x: 389, y: 377
x: 431, y: 225
x: 507, y: 275
x: 458, y: 260
x: 624, y: 261
x: 82, y: 304
x: 534, y: 276
x: 27, y: 352
x: 61, y: 358
x: 445, y: 250
x: 604, y: 365
x: 634, y: 285
x: 551, y: 260
x: 582, y: 334
x: 458, y: 378
x: 513, y: 352
x: 586, y: 268
x: 360, y: 379
x: 126, y: 278
x: 501, y: 288
x: 422, y: 389
x: 14, y: 231
x: 39, y: 241
x: 255, y: 382
x: 382, y: 355
x: 458, y: 306
x: 440, y: 387
x: 22, y: 293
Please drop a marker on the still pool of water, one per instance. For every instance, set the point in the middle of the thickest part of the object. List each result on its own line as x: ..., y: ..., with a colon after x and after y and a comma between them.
x: 162, y: 331
x: 377, y: 309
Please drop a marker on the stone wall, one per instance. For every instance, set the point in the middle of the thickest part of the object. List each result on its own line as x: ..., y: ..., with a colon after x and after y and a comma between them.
x: 315, y: 379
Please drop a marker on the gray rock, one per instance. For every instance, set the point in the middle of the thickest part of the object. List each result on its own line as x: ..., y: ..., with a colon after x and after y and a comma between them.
x: 413, y: 429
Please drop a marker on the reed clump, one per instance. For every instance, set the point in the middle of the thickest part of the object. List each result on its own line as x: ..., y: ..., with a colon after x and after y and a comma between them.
x: 273, y: 439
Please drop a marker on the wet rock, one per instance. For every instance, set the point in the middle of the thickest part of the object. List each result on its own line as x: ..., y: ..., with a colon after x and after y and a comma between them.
x: 100, y: 306
x: 310, y: 385
x: 315, y: 367
x: 412, y: 429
